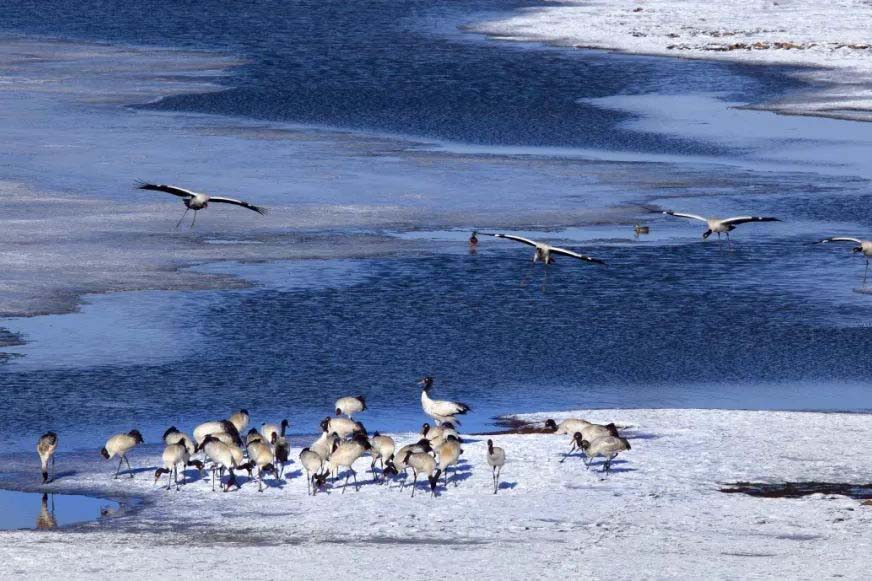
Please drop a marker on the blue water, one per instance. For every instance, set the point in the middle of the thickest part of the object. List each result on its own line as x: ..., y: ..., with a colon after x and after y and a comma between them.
x: 671, y: 321
x: 35, y: 510
x: 397, y: 67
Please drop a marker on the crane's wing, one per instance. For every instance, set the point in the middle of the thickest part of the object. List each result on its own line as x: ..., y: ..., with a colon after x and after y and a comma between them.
x: 682, y: 215
x: 512, y: 237
x: 839, y: 239
x: 565, y: 252
x: 259, y: 209
x: 746, y: 219
x: 180, y: 192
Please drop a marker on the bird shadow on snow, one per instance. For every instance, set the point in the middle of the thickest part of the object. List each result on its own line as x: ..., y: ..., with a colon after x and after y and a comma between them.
x: 292, y: 475
x: 507, y: 485
x: 134, y: 471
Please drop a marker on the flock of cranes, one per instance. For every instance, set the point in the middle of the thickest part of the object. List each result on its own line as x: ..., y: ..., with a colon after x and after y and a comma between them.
x: 343, y: 440
x: 220, y: 447
x: 543, y: 253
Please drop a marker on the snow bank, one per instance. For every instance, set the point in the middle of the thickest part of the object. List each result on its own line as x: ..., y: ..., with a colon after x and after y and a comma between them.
x: 808, y: 33
x: 659, y: 514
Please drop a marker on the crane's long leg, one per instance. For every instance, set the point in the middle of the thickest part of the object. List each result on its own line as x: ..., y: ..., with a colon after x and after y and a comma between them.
x: 729, y: 242
x: 118, y: 470
x: 356, y: 485
x: 571, y: 450
x: 194, y: 221
x: 347, y: 476
x: 179, y: 223
x: 128, y: 466
x: 414, y: 482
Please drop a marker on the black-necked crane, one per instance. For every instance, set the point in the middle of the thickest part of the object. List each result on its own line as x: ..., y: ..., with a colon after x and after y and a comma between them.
x: 197, y: 201
x: 344, y: 455
x: 221, y: 429
x: 449, y: 455
x: 173, y: 456
x: 568, y: 426
x: 422, y: 463
x: 439, y: 410
x: 862, y: 246
x: 312, y: 463
x: 398, y: 462
x: 261, y: 456
x: 324, y: 444
x: 496, y: 459
x: 268, y: 431
x: 544, y: 251
x: 282, y: 452
x: 350, y: 405
x: 606, y: 446
x: 222, y: 458
x: 342, y: 427
x: 382, y: 450
x: 589, y: 433
x: 722, y: 226
x: 174, y: 436
x: 46, y: 447
x: 240, y: 420
x: 119, y: 445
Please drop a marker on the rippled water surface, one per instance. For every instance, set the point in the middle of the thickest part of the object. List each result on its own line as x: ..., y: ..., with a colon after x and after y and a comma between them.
x: 471, y: 133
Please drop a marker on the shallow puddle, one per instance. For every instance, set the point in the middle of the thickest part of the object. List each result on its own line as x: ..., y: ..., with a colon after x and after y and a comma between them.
x: 35, y: 510
x: 799, y: 489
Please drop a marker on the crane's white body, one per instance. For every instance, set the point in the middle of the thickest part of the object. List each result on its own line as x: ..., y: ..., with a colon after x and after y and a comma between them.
x: 323, y: 445
x: 606, y: 446
x: 350, y: 405
x: 344, y: 455
x: 449, y: 455
x: 240, y: 420
x: 422, y: 463
x: 343, y: 427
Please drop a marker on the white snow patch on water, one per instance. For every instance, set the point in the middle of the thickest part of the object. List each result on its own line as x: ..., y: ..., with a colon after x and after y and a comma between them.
x: 832, y: 36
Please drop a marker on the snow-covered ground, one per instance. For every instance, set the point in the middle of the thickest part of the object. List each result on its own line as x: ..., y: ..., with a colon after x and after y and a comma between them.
x: 832, y: 34
x: 659, y: 514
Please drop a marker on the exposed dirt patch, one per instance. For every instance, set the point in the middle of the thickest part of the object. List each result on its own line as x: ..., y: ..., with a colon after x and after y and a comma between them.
x: 799, y: 489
